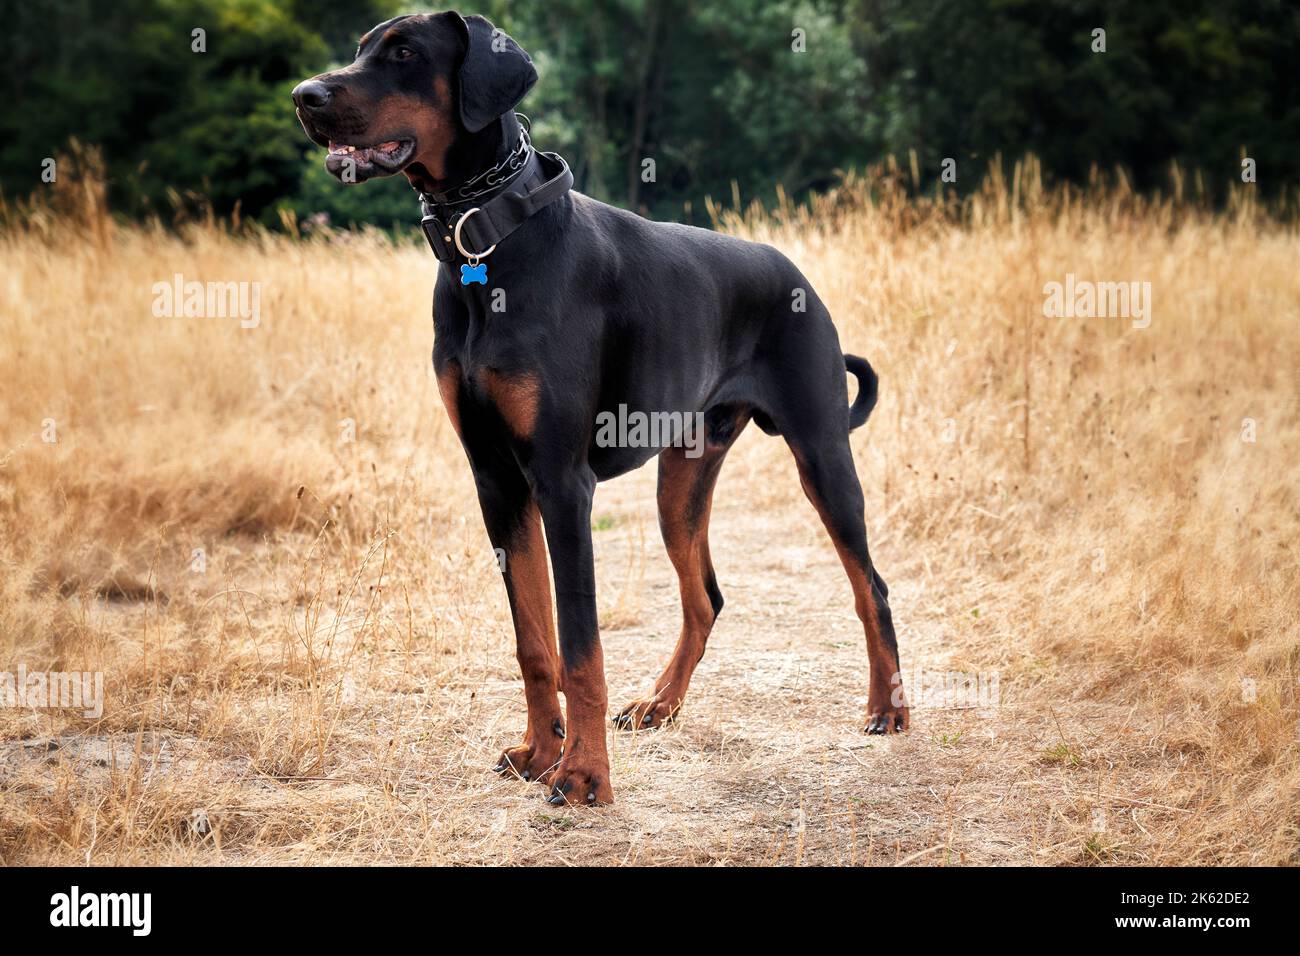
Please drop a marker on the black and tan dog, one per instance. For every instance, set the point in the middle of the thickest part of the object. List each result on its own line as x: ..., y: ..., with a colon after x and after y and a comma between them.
x: 589, y: 308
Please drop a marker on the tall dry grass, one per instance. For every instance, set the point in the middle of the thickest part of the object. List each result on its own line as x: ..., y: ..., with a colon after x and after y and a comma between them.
x: 302, y: 641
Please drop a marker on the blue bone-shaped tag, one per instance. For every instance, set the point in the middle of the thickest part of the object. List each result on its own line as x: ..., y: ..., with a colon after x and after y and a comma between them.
x: 470, y: 274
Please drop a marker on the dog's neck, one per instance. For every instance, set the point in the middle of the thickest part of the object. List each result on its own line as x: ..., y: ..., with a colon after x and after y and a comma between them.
x: 470, y: 155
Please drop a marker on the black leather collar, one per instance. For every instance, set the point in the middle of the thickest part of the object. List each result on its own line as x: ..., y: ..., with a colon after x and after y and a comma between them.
x: 544, y: 178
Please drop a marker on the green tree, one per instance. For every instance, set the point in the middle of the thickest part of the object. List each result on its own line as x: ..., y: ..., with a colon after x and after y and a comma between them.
x: 713, y: 91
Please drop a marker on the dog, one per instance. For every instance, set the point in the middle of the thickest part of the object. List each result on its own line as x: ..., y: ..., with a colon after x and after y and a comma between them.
x: 551, y: 309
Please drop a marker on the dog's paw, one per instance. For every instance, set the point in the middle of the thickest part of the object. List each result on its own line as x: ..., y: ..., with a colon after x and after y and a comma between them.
x: 581, y: 783
x: 529, y: 762
x: 647, y: 714
x: 886, y: 720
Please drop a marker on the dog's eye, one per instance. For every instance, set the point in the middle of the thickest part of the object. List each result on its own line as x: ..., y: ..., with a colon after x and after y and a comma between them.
x: 403, y: 53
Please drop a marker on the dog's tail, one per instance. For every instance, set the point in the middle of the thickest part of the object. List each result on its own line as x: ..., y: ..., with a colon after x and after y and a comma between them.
x: 868, y: 389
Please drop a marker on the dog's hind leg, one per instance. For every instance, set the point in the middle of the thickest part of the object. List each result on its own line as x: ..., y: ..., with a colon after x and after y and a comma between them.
x: 685, y: 499
x: 830, y: 480
x: 805, y: 393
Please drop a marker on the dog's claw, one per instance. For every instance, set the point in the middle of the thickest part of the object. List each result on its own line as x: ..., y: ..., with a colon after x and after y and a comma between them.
x: 527, y: 763
x: 581, y: 789
x: 557, y: 793
x: 886, y: 723
x: 654, y: 711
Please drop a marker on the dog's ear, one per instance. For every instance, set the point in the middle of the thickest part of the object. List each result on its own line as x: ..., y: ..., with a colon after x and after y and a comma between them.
x: 494, y: 76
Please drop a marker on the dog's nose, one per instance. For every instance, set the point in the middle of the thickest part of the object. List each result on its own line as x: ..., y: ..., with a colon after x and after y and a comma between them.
x: 311, y: 94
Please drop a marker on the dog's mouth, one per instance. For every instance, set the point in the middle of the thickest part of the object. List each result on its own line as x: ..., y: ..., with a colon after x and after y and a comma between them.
x: 350, y: 163
x: 353, y: 163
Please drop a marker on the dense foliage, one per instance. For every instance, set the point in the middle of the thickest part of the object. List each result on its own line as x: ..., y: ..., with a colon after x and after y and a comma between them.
x: 714, y: 91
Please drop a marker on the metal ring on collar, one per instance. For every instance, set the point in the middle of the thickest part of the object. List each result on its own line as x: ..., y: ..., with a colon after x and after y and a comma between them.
x: 456, y: 237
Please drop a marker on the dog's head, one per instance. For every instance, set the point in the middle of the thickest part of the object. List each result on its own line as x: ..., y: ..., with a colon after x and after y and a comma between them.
x: 419, y: 88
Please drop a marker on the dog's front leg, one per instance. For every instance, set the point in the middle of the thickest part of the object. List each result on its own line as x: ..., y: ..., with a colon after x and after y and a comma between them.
x: 583, y: 775
x: 514, y: 525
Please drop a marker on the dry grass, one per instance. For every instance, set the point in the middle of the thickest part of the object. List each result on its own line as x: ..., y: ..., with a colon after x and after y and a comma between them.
x: 1069, y: 503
